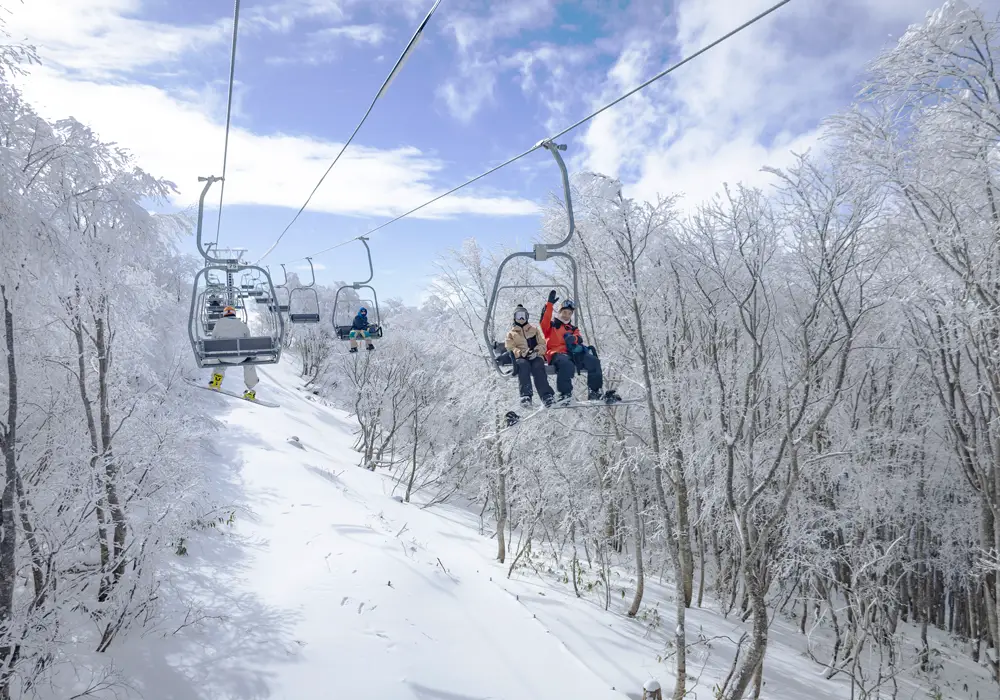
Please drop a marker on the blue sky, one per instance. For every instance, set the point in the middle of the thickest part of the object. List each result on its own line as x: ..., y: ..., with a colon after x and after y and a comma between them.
x: 488, y: 80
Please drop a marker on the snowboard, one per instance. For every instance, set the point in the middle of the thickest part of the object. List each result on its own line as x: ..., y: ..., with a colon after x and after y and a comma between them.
x: 597, y: 404
x: 514, y: 419
x: 228, y: 392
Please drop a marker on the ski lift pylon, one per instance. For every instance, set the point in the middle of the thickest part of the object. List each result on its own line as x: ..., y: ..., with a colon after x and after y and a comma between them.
x: 310, y: 300
x: 341, y: 321
x: 540, y: 253
x: 209, y: 351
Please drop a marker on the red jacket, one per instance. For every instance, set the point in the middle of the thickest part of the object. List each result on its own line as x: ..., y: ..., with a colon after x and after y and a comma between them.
x: 553, y: 329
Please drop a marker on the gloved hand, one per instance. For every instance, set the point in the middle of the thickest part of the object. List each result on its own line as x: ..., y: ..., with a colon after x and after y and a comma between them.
x: 552, y: 297
x: 530, y: 355
x: 572, y: 343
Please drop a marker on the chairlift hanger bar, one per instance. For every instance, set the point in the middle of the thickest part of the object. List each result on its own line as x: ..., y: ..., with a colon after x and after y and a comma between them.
x: 312, y: 274
x: 371, y: 269
x: 229, y: 115
x: 541, y: 143
x: 414, y: 40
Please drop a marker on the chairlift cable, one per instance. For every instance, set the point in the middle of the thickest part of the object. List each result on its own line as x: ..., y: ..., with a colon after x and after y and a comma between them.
x: 229, y: 115
x: 538, y: 145
x: 385, y: 84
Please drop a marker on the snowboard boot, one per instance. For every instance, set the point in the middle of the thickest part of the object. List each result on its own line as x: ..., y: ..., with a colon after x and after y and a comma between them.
x: 593, y: 395
x: 526, y: 401
x: 548, y: 400
x: 511, y: 419
x: 353, y: 350
x: 215, y: 382
x: 564, y: 399
x: 250, y: 394
x: 371, y: 347
x: 611, y: 396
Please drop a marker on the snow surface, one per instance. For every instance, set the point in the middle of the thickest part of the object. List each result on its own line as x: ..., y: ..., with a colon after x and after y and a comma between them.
x: 325, y: 586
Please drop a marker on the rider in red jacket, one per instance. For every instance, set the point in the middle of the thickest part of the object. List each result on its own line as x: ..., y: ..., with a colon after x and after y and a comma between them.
x: 566, y: 352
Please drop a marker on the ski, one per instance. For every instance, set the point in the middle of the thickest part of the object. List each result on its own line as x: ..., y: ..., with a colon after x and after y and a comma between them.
x: 234, y: 394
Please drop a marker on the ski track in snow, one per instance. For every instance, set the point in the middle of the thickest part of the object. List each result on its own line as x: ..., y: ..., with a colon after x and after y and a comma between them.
x: 330, y: 588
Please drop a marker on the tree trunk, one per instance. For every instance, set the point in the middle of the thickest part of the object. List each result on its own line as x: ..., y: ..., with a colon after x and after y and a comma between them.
x: 637, y: 539
x: 8, y: 532
x: 673, y: 536
x: 104, y: 588
x: 501, y: 504
x: 758, y: 641
x: 413, y: 466
x: 107, y: 454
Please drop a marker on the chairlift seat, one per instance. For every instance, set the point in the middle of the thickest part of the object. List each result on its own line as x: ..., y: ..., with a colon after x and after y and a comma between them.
x: 303, y: 318
x: 256, y: 350
x: 281, y: 308
x: 505, y: 358
x: 344, y: 332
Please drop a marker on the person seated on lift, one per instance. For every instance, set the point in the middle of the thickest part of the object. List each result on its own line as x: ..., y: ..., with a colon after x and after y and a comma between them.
x: 229, y: 326
x: 567, y: 353
x: 360, y: 329
x: 526, y: 345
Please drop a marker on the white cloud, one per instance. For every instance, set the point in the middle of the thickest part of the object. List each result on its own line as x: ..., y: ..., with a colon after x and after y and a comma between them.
x: 178, y: 134
x: 473, y: 87
x: 323, y: 46
x: 742, y: 105
x: 284, y: 15
x: 316, y: 266
x: 466, y: 96
x: 175, y: 139
x: 362, y: 33
x: 102, y: 37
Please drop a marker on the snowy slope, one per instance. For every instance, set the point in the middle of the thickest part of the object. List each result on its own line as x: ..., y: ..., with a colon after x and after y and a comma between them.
x: 367, y: 597
x: 324, y: 586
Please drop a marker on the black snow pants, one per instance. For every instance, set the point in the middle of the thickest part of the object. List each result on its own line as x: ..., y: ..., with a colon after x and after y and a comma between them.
x: 566, y: 368
x: 526, y: 369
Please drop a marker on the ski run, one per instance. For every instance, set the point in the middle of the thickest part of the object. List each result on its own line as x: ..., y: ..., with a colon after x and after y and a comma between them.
x: 326, y: 585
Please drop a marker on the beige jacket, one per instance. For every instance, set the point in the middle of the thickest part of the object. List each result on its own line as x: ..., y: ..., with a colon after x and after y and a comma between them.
x: 517, y: 340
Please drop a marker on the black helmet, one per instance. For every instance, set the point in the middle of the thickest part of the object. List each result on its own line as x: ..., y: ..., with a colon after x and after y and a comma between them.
x: 568, y: 304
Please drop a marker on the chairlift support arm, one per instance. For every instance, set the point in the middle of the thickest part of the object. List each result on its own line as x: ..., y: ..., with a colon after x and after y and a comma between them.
x: 204, y: 250
x: 312, y: 274
x: 371, y: 269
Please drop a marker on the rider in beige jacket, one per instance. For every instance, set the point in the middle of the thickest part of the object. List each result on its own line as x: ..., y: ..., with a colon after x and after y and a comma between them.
x: 526, y: 344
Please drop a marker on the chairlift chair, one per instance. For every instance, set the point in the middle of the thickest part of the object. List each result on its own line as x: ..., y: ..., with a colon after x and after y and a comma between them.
x: 540, y: 253
x: 209, y: 351
x: 275, y: 304
x: 343, y: 315
x: 307, y: 309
